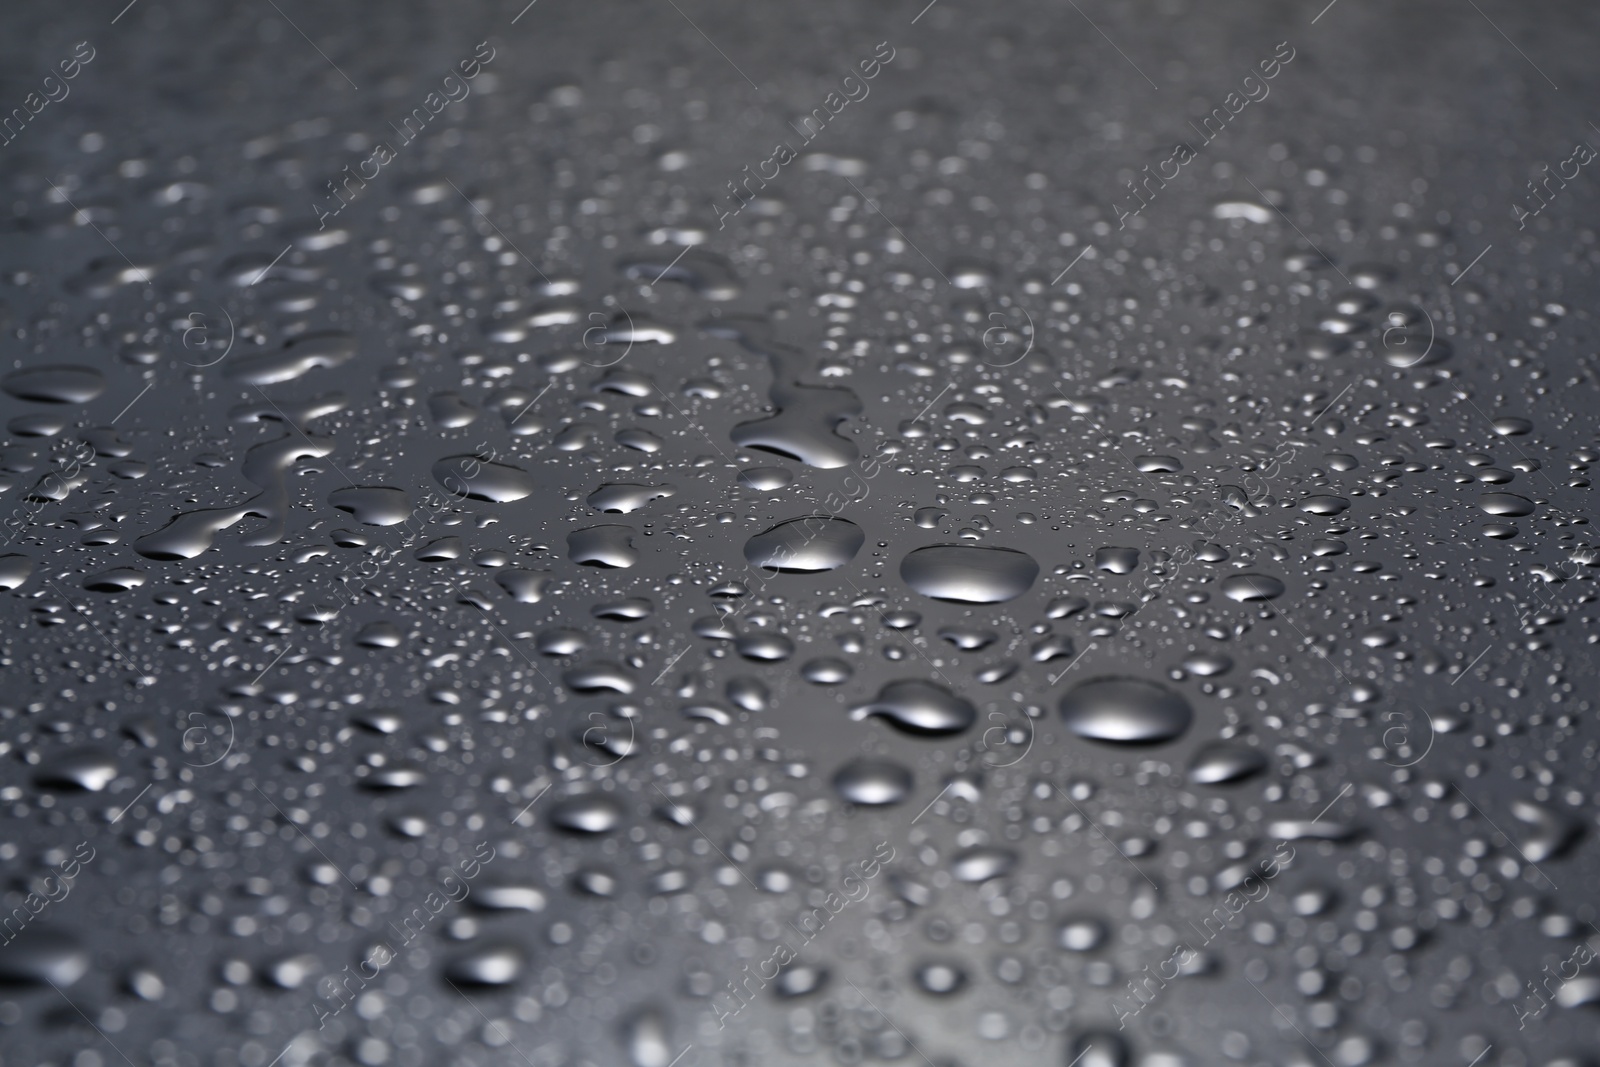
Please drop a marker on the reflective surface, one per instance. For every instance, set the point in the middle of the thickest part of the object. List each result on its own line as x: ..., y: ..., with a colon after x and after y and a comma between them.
x: 657, y: 534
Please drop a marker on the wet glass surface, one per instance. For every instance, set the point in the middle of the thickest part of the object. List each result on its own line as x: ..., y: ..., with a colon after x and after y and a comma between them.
x: 681, y: 533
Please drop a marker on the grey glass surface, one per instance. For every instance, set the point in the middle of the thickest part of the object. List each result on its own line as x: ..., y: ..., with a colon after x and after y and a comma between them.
x: 682, y: 533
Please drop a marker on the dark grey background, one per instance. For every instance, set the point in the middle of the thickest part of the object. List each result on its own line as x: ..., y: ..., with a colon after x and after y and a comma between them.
x: 277, y: 749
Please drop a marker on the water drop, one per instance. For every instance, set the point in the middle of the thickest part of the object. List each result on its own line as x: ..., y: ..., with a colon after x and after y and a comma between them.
x: 806, y: 546
x: 90, y: 770
x: 14, y: 570
x: 590, y: 813
x: 968, y: 574
x: 41, y: 956
x: 372, y: 505
x: 766, y: 479
x: 873, y: 782
x: 1116, y: 560
x: 609, y: 546
x: 495, y: 965
x: 1249, y: 587
x: 479, y: 479
x: 1223, y: 762
x: 980, y: 863
x: 59, y: 384
x: 621, y: 498
x: 1324, y: 505
x: 918, y: 707
x: 1081, y: 934
x: 1506, y: 504
x: 1126, y: 711
x: 941, y: 978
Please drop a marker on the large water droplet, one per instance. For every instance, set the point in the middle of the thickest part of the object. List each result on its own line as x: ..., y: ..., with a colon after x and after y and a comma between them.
x: 1248, y: 587
x: 42, y: 956
x: 1125, y: 710
x: 90, y: 770
x: 494, y: 965
x: 1222, y: 762
x: 1508, y: 504
x: 648, y: 1040
x: 980, y: 863
x: 608, y: 546
x: 805, y: 546
x: 621, y: 498
x: 14, y: 570
x: 1324, y: 505
x: 1323, y: 829
x: 297, y: 358
x: 873, y: 782
x: 508, y: 896
x: 918, y: 707
x: 1098, y: 1049
x: 1081, y: 934
x: 64, y: 384
x: 599, y: 677
x: 478, y: 479
x: 590, y: 813
x: 1207, y: 664
x: 372, y: 505
x: 804, y: 426
x: 1116, y: 560
x: 968, y: 574
x: 525, y: 587
x: 115, y: 580
x: 766, y: 479
x: 941, y: 978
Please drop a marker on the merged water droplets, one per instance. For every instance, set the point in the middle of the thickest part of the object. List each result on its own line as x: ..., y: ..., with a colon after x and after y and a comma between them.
x: 804, y: 427
x: 298, y: 357
x: 267, y: 465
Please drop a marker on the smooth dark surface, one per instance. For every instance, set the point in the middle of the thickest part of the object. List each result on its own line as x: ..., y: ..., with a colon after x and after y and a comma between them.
x: 390, y: 677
